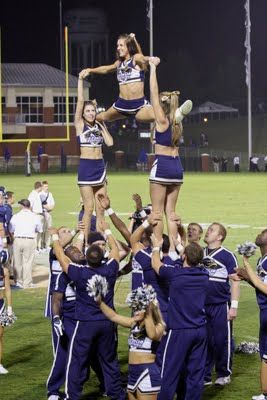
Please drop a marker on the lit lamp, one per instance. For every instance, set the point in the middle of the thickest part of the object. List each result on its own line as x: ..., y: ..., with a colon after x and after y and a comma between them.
x: 205, y: 119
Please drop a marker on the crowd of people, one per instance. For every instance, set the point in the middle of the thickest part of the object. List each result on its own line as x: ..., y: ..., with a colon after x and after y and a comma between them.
x: 184, y: 297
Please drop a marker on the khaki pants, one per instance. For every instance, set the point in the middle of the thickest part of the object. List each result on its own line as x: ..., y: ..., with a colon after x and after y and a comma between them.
x: 24, y: 251
x: 39, y: 235
x: 46, y: 235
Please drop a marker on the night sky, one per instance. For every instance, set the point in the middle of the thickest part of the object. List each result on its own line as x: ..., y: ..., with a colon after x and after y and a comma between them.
x: 200, y: 42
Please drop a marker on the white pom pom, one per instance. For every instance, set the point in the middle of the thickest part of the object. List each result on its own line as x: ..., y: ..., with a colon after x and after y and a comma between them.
x: 246, y: 249
x: 140, y: 298
x: 7, y: 320
x: 96, y: 286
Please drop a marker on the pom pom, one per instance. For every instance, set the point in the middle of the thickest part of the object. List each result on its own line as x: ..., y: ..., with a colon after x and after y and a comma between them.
x: 248, y: 348
x: 246, y: 249
x: 96, y: 286
x: 140, y: 298
x: 3, y: 256
x: 7, y: 320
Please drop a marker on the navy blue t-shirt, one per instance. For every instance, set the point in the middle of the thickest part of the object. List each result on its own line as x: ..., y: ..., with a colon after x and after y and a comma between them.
x: 66, y: 286
x: 187, y: 296
x: 220, y: 263
x: 161, y: 285
x: 86, y: 307
x: 262, y: 274
x: 137, y: 271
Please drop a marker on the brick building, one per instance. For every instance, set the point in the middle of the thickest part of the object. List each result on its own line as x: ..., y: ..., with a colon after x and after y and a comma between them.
x: 34, y: 106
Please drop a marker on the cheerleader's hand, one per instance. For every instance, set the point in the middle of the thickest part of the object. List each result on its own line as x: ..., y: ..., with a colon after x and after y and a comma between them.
x: 155, y: 241
x: 154, y: 218
x: 104, y: 201
x: 81, y: 226
x: 154, y: 61
x: 138, y: 201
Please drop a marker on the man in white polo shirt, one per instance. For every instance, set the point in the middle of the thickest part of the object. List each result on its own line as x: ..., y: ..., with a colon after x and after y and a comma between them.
x: 24, y: 225
x: 37, y: 208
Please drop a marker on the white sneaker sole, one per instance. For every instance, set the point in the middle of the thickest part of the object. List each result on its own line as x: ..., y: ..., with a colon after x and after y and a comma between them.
x: 183, y: 111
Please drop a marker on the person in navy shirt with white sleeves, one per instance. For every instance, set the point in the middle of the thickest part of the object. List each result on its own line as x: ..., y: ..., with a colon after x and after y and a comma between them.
x: 221, y: 265
x: 92, y: 327
x: 259, y: 281
x: 186, y: 343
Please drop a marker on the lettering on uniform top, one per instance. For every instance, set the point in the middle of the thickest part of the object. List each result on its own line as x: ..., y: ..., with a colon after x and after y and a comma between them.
x: 127, y: 73
x: 138, y: 339
x: 56, y: 267
x: 91, y: 137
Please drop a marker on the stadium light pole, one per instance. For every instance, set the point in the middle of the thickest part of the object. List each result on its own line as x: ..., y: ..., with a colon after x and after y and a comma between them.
x: 248, y: 74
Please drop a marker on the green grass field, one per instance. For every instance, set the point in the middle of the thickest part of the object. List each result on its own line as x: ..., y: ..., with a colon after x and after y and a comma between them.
x: 237, y: 200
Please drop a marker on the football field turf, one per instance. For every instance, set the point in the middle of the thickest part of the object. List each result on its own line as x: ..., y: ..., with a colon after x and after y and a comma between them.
x: 236, y: 200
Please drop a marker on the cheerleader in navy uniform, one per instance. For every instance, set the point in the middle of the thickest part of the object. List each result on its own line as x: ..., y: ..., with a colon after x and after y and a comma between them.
x: 5, y: 313
x: 166, y: 175
x: 146, y: 330
x: 92, y: 170
x: 130, y: 66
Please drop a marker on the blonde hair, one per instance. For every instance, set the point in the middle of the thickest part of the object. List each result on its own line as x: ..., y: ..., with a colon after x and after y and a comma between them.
x: 156, y: 314
x: 169, y: 102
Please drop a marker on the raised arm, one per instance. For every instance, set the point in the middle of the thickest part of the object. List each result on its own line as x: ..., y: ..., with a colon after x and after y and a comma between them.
x: 254, y: 279
x: 154, y: 331
x: 136, y: 236
x: 103, y: 69
x: 160, y: 117
x: 78, y: 120
x: 155, y: 258
x: 114, y: 317
x: 63, y: 260
x: 117, y: 222
x: 114, y: 250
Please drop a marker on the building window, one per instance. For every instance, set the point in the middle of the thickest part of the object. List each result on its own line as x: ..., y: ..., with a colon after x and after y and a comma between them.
x: 30, y: 109
x: 60, y: 109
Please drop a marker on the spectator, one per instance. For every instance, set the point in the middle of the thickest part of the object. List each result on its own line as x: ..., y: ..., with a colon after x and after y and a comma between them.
x: 216, y: 164
x: 265, y: 164
x: 142, y: 159
x: 48, y: 204
x: 24, y: 226
x: 206, y: 140
x: 7, y: 157
x: 37, y: 208
x: 254, y: 164
x: 224, y: 162
x: 202, y: 139
x: 236, y: 163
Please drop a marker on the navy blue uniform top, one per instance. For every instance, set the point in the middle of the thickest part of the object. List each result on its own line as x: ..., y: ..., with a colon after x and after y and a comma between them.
x: 164, y: 138
x: 137, y: 271
x: 3, y: 215
x: 187, y: 296
x: 66, y: 286
x: 91, y: 136
x: 262, y: 274
x: 220, y: 263
x: 138, y: 341
x: 128, y: 73
x: 86, y: 307
x: 54, y: 270
x: 160, y: 284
